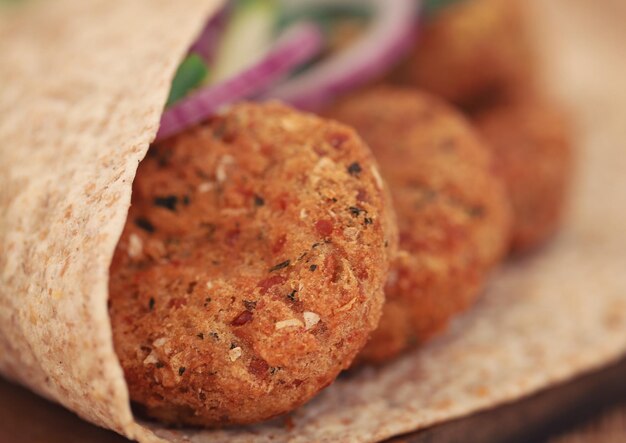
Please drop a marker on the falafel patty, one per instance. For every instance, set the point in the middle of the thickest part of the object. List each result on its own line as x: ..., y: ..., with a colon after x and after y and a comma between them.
x: 251, y: 268
x: 472, y: 49
x: 533, y: 154
x: 453, y: 214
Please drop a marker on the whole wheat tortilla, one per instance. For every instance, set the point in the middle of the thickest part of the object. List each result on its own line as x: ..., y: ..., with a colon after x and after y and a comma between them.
x: 82, y: 85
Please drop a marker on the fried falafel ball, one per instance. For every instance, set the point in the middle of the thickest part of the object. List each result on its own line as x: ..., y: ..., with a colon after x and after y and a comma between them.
x: 533, y: 154
x: 452, y: 211
x: 251, y: 268
x: 471, y: 49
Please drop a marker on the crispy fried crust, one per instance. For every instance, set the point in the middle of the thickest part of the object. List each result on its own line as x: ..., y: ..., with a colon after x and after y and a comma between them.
x: 452, y: 211
x: 251, y: 268
x: 471, y: 49
x: 533, y: 154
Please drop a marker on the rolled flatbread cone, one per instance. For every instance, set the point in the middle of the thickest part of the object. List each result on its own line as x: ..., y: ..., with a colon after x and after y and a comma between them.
x: 84, y: 85
x: 87, y: 84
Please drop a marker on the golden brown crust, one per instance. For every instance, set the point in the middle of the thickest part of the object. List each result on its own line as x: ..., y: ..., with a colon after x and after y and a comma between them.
x: 452, y: 211
x: 469, y: 50
x: 251, y: 268
x: 533, y: 154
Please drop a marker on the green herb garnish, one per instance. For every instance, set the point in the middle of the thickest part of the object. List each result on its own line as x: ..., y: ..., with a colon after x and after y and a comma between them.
x: 432, y: 7
x: 190, y: 74
x: 326, y: 17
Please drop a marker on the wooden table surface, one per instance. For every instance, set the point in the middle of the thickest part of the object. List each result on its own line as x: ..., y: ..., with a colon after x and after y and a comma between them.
x: 27, y: 418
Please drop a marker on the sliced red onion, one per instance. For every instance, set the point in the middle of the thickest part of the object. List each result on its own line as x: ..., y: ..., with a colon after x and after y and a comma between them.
x: 388, y: 38
x: 297, y: 45
x: 206, y: 44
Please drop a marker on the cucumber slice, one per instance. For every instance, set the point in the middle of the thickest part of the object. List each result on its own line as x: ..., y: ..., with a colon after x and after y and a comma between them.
x: 246, y: 39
